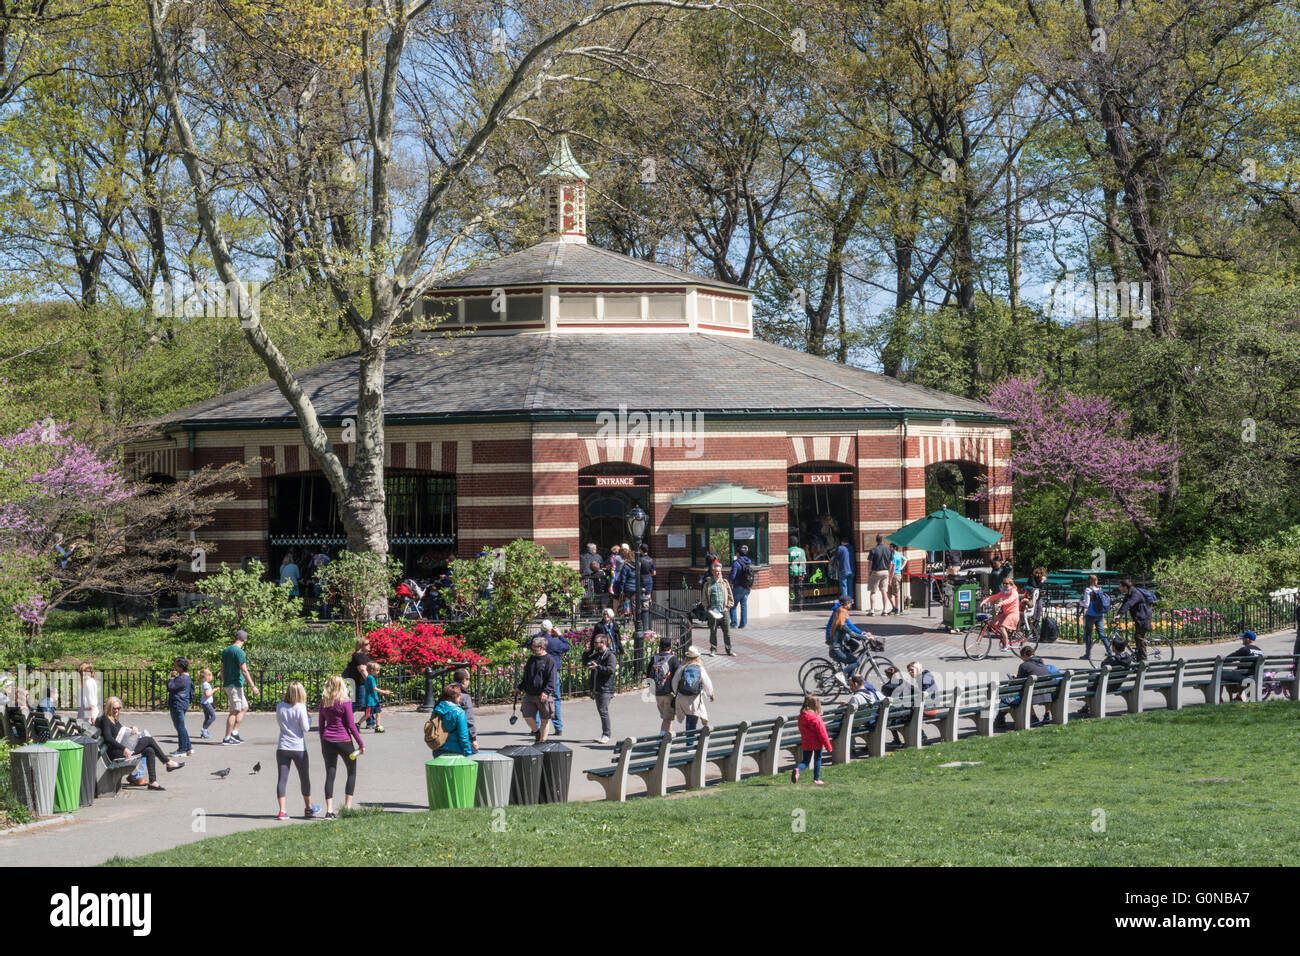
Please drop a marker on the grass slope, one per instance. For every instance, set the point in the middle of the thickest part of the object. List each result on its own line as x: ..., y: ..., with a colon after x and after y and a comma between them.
x: 1031, y: 802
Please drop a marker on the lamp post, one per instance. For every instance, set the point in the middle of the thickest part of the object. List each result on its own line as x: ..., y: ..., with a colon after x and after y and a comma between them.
x: 636, y: 527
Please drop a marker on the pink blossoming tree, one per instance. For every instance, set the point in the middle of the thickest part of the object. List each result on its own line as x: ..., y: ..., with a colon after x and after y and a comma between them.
x: 1081, y: 445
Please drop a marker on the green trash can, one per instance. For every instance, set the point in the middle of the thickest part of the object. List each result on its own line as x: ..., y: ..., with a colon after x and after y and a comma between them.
x: 67, y: 786
x: 450, y: 781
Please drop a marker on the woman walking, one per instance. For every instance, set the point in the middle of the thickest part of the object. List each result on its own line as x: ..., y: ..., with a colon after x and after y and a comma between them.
x: 291, y: 748
x: 1094, y: 603
x: 337, y: 732
x: 88, y: 698
x: 691, y: 683
x: 110, y: 729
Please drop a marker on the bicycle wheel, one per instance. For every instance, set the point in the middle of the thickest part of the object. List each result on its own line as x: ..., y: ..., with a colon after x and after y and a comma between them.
x: 978, y: 642
x: 808, y: 665
x: 821, y: 681
x: 1160, y: 649
x: 873, y: 669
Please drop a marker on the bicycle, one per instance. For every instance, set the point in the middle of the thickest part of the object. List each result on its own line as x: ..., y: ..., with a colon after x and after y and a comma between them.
x: 1159, y: 647
x: 818, y: 674
x: 979, y: 637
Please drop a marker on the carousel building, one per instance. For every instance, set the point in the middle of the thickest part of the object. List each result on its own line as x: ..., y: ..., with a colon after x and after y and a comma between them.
x: 587, y: 382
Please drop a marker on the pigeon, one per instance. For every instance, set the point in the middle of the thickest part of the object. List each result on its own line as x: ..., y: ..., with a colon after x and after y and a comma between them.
x: 256, y: 767
x: 221, y: 773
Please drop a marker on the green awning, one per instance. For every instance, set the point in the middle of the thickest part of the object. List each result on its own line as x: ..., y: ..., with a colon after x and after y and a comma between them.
x: 727, y: 498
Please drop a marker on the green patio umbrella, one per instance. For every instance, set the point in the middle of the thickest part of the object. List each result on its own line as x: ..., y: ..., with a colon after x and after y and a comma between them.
x: 944, y: 530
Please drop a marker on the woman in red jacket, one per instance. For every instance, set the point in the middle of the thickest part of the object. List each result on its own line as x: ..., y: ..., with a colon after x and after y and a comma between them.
x: 813, y: 738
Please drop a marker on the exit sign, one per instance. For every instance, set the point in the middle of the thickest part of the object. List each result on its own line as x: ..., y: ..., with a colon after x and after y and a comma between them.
x: 826, y: 478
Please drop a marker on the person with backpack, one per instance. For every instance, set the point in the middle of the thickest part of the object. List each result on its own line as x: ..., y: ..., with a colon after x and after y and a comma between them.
x: 813, y: 739
x: 663, y: 668
x: 844, y: 639
x: 1137, y: 602
x: 719, y: 601
x: 742, y: 581
x: 446, y: 732
x: 603, y: 666
x: 1094, y: 602
x: 540, y: 677
x: 691, y: 684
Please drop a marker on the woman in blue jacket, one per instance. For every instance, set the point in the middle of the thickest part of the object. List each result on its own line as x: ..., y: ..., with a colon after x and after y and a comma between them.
x: 453, y: 719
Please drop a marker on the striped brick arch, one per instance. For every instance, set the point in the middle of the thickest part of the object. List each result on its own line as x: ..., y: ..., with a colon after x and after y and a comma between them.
x: 821, y: 448
x: 599, y: 451
x: 158, y: 461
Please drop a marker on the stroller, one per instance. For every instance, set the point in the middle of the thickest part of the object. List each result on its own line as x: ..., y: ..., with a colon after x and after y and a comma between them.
x: 1276, y: 684
x: 410, y: 598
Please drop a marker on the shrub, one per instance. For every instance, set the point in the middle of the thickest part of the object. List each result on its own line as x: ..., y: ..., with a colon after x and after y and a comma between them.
x: 238, y: 600
x: 423, y: 645
x: 361, y: 584
x: 500, y: 601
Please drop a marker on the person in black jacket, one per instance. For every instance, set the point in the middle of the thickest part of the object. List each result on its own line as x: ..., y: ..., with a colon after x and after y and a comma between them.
x: 602, y: 664
x: 179, y: 691
x: 110, y: 729
x: 608, y: 628
x: 1033, y: 665
x: 1242, y: 662
x: 1136, y: 602
x: 541, y: 675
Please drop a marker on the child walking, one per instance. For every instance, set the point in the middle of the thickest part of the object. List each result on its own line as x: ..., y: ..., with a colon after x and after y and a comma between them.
x: 373, y: 690
x: 813, y: 738
x: 207, y: 702
x: 179, y: 691
x: 291, y: 749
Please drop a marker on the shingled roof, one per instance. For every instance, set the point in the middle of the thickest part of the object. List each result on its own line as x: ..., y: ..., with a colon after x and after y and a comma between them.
x: 574, y: 374
x: 576, y: 263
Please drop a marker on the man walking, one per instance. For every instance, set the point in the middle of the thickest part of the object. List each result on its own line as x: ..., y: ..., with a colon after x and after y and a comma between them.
x: 556, y: 646
x: 896, y: 578
x: 1137, y: 602
x: 539, y: 677
x: 234, y: 675
x: 720, y: 602
x: 844, y: 570
x: 603, y: 666
x: 742, y: 579
x: 662, y: 669
x: 880, y: 560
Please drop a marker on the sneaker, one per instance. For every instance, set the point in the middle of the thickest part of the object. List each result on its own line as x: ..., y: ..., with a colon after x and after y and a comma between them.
x: 713, y: 652
x: 331, y: 815
x: 282, y: 816
x: 311, y: 813
x: 231, y: 741
x: 820, y: 783
x: 730, y: 653
x: 601, y: 740
x: 180, y: 753
x: 379, y: 728
x: 238, y: 739
x: 204, y: 735
x: 794, y: 775
x: 839, y: 679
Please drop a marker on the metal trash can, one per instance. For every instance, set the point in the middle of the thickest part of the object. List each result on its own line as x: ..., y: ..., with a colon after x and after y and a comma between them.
x: 89, y: 767
x: 67, y: 786
x: 526, y: 782
x: 495, y: 772
x: 34, y: 771
x: 450, y: 782
x: 557, y: 761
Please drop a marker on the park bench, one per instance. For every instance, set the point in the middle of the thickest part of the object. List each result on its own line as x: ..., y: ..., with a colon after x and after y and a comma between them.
x: 976, y: 701
x: 112, y: 772
x: 1254, y: 668
x: 1285, y: 672
x: 650, y: 758
x: 791, y: 740
x: 14, y: 726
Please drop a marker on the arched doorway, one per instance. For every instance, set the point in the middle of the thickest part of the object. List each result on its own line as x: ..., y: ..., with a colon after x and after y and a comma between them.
x: 606, y: 493
x: 952, y: 483
x: 821, y: 516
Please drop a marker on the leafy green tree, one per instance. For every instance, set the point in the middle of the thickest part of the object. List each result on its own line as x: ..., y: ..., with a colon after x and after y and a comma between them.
x: 238, y: 599
x: 500, y: 596
x: 362, y: 582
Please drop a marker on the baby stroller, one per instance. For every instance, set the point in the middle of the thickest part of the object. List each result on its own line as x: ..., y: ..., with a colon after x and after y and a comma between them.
x: 410, y: 597
x: 1276, y: 684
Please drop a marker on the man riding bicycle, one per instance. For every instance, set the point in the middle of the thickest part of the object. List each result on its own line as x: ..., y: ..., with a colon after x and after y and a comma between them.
x: 844, y: 638
x: 1006, y: 602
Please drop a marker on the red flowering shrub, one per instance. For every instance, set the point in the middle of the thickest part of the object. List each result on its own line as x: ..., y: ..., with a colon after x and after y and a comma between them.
x: 423, y: 645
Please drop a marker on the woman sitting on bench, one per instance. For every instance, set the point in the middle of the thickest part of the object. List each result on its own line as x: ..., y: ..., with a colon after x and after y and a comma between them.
x: 110, y: 729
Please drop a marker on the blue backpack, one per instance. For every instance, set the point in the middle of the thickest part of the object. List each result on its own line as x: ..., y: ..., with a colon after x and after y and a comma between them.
x: 1099, y: 603
x: 691, y: 683
x: 1053, y: 670
x: 1147, y: 596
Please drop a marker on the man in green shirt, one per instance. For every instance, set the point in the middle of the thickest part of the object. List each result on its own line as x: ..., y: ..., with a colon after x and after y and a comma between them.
x: 234, y: 674
x: 798, y: 568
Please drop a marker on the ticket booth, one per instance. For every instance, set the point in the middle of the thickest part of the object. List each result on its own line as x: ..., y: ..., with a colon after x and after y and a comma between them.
x: 959, y: 612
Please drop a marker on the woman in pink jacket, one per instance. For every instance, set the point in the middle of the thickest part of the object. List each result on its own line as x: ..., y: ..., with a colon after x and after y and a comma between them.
x: 813, y: 738
x: 1007, y: 604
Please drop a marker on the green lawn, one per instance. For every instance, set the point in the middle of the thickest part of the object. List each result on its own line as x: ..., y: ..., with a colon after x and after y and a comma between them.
x: 1033, y: 801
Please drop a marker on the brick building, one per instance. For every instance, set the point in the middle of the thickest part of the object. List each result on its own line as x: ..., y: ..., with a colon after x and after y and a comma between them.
x: 589, y: 381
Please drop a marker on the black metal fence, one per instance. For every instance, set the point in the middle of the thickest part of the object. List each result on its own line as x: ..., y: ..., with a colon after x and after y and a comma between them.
x: 143, y: 689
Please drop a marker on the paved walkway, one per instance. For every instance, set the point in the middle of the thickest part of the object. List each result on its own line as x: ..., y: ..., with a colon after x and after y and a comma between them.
x: 757, y: 683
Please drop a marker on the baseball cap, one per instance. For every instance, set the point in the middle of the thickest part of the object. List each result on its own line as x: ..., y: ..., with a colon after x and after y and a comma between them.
x: 1248, y: 636
x: 547, y: 625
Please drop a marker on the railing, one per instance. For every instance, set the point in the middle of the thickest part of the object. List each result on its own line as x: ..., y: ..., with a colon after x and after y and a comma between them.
x: 1190, y: 625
